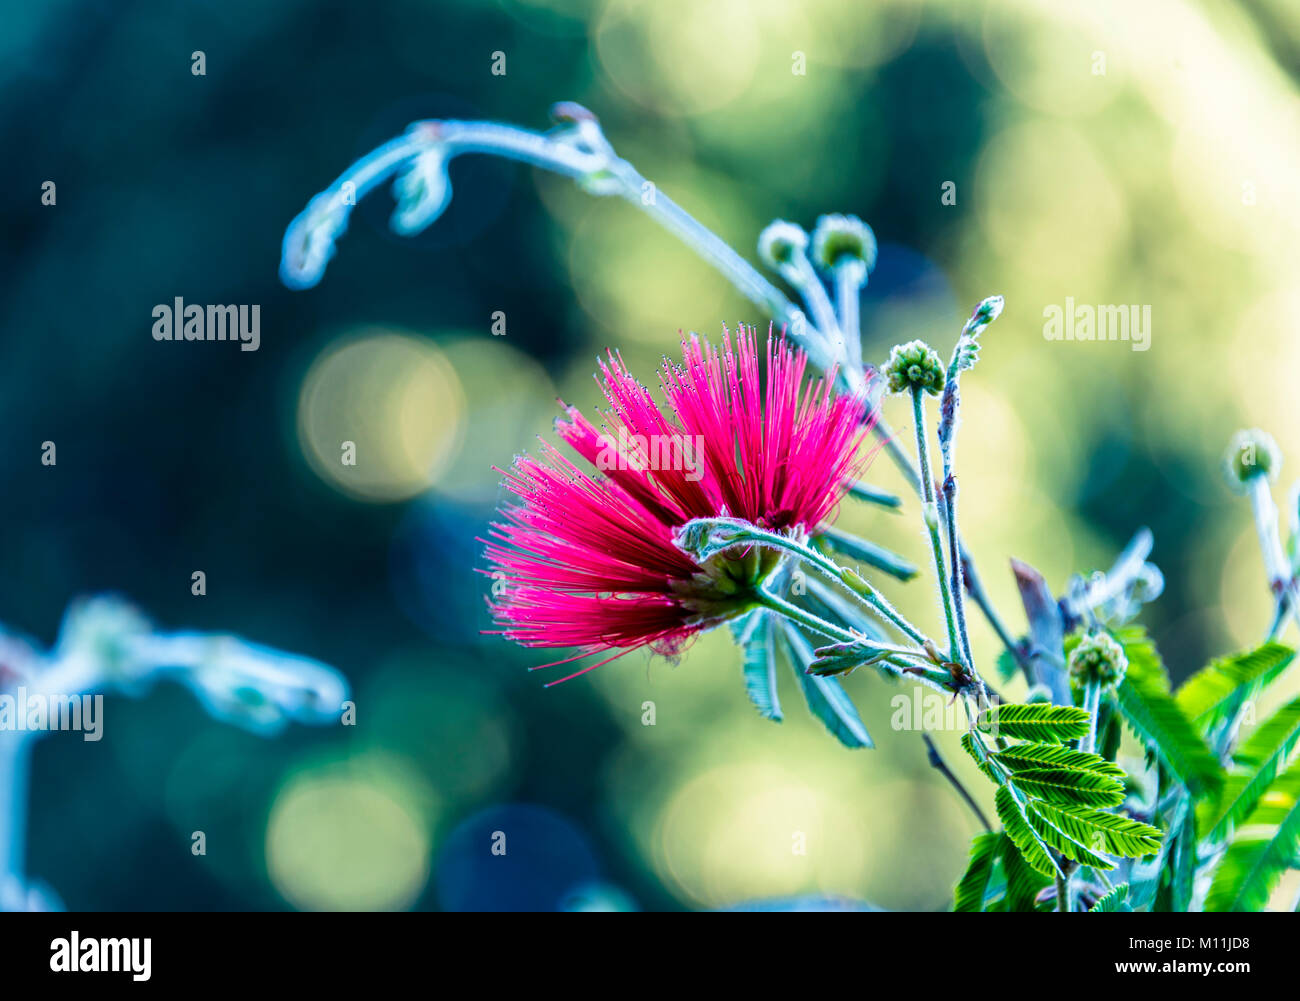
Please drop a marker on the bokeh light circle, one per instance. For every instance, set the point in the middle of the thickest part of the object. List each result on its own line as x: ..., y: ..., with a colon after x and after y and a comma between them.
x: 346, y: 837
x: 393, y: 395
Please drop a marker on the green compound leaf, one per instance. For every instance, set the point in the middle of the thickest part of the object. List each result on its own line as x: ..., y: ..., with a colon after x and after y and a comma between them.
x: 1024, y: 756
x: 1101, y: 831
x: 1267, y: 846
x: 1114, y: 901
x: 1023, y: 883
x: 1018, y: 829
x: 1054, y: 836
x: 1039, y: 721
x: 1212, y: 696
x: 968, y: 745
x: 1258, y: 760
x: 1070, y: 787
x: 1158, y: 721
x: 972, y: 890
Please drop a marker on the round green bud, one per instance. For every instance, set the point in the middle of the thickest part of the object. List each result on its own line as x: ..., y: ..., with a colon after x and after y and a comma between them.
x: 914, y: 365
x: 1098, y: 658
x: 1251, y: 453
x: 780, y: 242
x: 841, y: 238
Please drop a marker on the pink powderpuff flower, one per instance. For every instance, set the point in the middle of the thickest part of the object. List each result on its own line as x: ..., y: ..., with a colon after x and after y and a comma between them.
x: 590, y: 561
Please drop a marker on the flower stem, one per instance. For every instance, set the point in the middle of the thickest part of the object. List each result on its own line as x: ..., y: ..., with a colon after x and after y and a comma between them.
x: 804, y: 617
x: 931, y: 515
x: 848, y: 579
x: 1092, y: 703
x: 850, y: 276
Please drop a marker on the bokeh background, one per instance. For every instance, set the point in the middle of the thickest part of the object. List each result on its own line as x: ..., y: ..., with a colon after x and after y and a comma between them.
x: 1166, y: 180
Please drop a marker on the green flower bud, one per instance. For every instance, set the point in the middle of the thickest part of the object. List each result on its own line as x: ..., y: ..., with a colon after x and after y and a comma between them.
x: 1251, y: 453
x: 780, y: 243
x: 1098, y: 658
x: 838, y: 238
x: 915, y: 365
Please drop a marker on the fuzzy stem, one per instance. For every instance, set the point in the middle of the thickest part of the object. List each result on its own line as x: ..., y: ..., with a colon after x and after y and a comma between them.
x: 849, y: 279
x: 931, y: 517
x: 1265, y: 511
x: 851, y: 581
x: 1280, y: 580
x: 804, y: 617
x: 954, y: 555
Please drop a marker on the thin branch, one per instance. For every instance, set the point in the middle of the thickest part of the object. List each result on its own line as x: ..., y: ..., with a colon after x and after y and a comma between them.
x: 937, y: 763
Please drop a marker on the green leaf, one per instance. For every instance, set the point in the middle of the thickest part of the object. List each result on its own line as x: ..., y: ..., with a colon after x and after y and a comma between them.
x: 1176, y: 884
x: 755, y: 632
x: 1024, y: 756
x: 832, y: 540
x: 1023, y: 882
x: 874, y: 495
x: 826, y: 699
x: 1101, y: 831
x: 1022, y: 835
x: 968, y: 745
x: 1115, y: 900
x: 1268, y: 845
x: 1259, y: 759
x: 1039, y: 721
x: 1069, y: 786
x: 1054, y: 836
x: 972, y: 889
x: 1153, y: 715
x: 1212, y: 696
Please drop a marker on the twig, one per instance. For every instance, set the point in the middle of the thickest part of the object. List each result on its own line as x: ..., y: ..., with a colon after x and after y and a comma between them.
x: 938, y: 764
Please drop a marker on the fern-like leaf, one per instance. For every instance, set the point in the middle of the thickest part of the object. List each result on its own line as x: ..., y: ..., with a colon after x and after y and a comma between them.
x: 1054, y: 836
x: 1023, y: 883
x: 1070, y: 787
x: 1103, y: 832
x: 1024, y: 756
x: 968, y: 745
x: 1039, y: 721
x: 1156, y: 719
x: 972, y: 890
x: 1022, y: 835
x: 1268, y: 845
x: 1114, y: 900
x: 1259, y: 759
x: 1211, y: 696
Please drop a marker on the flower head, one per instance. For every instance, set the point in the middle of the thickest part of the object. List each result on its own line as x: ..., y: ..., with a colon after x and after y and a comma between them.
x: 780, y: 243
x: 1098, y: 658
x: 590, y: 561
x: 838, y: 239
x: 1251, y: 453
x: 914, y: 365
